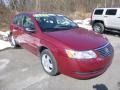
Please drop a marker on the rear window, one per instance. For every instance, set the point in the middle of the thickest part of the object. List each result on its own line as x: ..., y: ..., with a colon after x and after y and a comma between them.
x: 111, y: 12
x: 98, y: 12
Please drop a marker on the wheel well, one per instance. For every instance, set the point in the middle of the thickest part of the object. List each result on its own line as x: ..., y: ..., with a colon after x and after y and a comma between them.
x: 98, y: 21
x: 42, y: 48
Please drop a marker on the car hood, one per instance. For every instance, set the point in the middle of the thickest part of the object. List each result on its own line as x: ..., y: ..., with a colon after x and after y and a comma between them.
x: 79, y: 39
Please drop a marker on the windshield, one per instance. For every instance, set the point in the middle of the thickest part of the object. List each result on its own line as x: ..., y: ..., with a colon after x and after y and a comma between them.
x: 52, y: 22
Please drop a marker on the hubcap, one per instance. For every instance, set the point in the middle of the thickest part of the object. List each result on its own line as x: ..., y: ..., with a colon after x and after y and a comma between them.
x: 97, y: 28
x: 47, y: 63
x: 13, y: 41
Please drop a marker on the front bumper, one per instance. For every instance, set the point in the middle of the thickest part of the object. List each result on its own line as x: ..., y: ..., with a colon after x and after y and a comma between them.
x: 84, y: 69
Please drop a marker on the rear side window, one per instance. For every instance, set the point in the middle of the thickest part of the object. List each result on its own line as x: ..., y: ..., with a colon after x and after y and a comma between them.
x: 111, y: 12
x: 98, y: 12
x: 18, y: 20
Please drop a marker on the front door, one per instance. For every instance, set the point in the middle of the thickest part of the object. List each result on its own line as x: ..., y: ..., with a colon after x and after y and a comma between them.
x: 30, y: 35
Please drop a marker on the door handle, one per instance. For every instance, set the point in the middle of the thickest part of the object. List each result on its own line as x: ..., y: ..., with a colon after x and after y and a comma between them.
x: 118, y: 17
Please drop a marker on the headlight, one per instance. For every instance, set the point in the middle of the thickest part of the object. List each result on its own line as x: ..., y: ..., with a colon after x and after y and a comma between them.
x: 81, y: 54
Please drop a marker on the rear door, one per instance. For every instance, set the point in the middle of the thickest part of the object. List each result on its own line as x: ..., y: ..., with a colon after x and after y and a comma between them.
x: 16, y: 27
x: 110, y: 18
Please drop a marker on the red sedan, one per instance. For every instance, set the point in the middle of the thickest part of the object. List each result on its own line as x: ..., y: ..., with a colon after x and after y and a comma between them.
x: 62, y: 46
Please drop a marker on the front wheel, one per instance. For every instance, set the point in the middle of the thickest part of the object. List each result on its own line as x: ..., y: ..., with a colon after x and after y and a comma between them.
x: 98, y: 27
x: 49, y: 63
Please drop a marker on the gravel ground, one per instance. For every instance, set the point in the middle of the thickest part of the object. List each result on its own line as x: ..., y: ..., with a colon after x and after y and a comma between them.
x: 21, y: 70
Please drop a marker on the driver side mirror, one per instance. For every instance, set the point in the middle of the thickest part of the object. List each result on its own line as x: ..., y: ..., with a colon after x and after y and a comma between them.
x: 32, y: 30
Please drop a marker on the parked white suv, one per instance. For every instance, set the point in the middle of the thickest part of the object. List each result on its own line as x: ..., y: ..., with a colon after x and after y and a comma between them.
x: 105, y: 19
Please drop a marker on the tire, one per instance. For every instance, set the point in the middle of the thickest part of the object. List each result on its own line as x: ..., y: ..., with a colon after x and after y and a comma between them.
x: 49, y: 63
x: 12, y: 41
x: 98, y: 27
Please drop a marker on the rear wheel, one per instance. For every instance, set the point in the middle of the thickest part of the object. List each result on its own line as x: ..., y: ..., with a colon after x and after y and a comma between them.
x: 49, y: 63
x: 12, y: 41
x: 98, y: 27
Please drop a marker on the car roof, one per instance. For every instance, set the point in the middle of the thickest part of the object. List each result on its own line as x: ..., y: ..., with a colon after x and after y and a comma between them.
x: 32, y: 13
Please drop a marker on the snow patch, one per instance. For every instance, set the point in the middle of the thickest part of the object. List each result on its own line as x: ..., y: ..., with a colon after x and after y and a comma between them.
x: 85, y: 26
x: 4, y: 44
x: 4, y: 35
x: 84, y: 23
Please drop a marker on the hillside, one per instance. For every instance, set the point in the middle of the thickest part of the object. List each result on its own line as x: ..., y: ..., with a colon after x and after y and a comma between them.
x: 75, y: 9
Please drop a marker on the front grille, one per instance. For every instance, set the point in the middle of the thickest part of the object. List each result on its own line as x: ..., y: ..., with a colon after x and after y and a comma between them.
x: 106, y: 50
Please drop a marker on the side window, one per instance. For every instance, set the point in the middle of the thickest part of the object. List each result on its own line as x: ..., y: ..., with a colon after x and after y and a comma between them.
x: 98, y: 12
x: 18, y: 20
x: 15, y: 20
x: 111, y: 12
x: 27, y: 23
